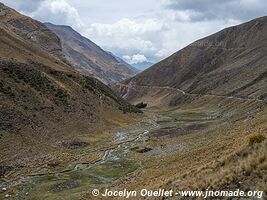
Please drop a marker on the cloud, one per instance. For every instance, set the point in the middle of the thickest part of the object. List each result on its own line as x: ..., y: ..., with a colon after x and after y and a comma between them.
x: 135, y: 59
x: 127, y: 36
x: 59, y: 12
x: 126, y: 26
x: 154, y: 32
x: 199, y: 10
x: 25, y: 6
x: 162, y: 53
x: 158, y: 35
x: 54, y: 11
x: 155, y: 37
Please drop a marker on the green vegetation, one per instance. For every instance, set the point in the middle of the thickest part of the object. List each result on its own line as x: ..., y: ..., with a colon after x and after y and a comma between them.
x: 114, y: 169
x: 98, y: 88
x: 141, y: 105
x: 188, y: 116
x: 258, y: 138
x: 34, y: 78
x: 28, y: 74
x: 72, y: 185
x: 6, y: 89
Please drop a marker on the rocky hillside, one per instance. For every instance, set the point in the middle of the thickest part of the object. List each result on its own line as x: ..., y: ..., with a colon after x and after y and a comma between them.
x: 42, y: 99
x: 232, y: 62
x: 31, y: 30
x: 86, y: 56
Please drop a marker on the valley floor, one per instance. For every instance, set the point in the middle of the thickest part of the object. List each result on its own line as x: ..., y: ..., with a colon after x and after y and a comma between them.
x: 191, y: 146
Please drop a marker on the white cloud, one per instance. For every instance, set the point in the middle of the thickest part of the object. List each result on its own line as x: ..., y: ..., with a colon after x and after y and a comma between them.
x: 131, y: 36
x: 141, y: 29
x: 135, y: 59
x: 155, y: 38
x: 59, y: 12
x: 126, y: 26
x: 162, y: 53
x: 200, y: 10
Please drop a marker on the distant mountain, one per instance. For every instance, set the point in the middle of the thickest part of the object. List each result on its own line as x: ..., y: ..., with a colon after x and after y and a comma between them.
x: 124, y: 63
x: 144, y: 65
x: 232, y: 62
x: 86, y: 56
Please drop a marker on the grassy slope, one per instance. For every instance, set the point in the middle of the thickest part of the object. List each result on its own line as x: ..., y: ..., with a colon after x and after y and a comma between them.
x: 216, y: 154
x: 44, y: 101
x: 213, y: 151
x: 33, y: 31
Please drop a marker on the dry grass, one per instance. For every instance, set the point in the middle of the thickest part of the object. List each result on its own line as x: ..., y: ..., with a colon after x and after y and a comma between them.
x: 217, y: 157
x: 244, y: 170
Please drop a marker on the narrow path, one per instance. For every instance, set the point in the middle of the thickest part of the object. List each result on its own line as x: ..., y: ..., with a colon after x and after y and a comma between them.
x: 185, y: 93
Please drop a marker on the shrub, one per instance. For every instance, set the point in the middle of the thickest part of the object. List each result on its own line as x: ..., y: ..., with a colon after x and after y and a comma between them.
x: 141, y: 105
x: 258, y: 138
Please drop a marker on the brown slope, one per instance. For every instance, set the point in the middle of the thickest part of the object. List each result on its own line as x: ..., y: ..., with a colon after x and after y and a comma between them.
x: 90, y: 58
x: 230, y: 62
x: 44, y: 101
x: 31, y: 30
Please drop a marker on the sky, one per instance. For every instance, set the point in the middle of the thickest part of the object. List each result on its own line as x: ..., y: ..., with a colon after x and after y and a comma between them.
x: 142, y: 31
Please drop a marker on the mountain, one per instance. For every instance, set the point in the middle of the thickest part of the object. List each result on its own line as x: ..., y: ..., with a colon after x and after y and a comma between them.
x: 44, y: 101
x: 232, y: 63
x: 125, y: 63
x: 64, y: 134
x: 211, y: 98
x: 86, y: 56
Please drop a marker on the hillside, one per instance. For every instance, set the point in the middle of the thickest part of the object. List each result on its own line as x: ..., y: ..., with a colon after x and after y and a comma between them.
x: 31, y: 30
x: 65, y: 135
x: 211, y: 97
x: 43, y: 101
x: 86, y: 56
x: 232, y: 62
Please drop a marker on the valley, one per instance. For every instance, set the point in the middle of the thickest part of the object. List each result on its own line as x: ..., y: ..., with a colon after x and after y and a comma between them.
x: 75, y: 118
x: 181, y: 139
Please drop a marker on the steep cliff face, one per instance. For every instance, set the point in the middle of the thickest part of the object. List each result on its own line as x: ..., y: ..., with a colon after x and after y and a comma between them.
x: 86, y: 56
x: 232, y: 62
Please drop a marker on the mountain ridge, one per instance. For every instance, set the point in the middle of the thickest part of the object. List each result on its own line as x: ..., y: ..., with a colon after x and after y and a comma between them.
x: 231, y: 62
x: 32, y: 31
x: 89, y: 58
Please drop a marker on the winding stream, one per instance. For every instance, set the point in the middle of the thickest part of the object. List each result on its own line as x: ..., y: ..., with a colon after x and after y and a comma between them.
x: 113, y: 164
x: 111, y: 153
